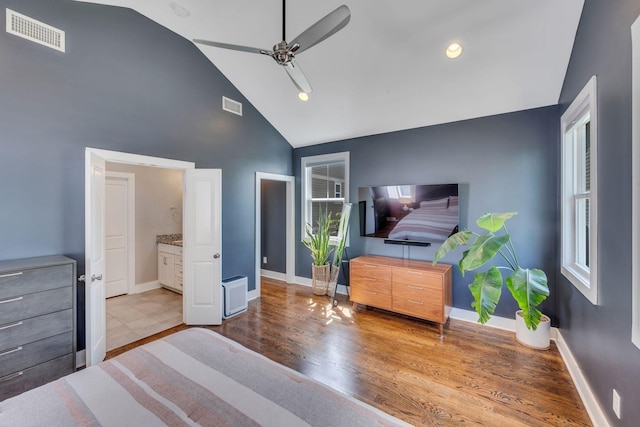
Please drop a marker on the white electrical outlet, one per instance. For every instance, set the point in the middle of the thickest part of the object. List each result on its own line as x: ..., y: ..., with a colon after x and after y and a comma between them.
x: 264, y: 259
x: 616, y: 403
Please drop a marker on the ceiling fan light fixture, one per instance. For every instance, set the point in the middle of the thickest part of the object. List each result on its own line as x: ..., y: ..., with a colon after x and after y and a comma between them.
x: 454, y: 50
x: 303, y: 96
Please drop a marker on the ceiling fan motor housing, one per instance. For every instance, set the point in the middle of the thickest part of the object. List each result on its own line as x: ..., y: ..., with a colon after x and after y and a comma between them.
x: 282, y: 54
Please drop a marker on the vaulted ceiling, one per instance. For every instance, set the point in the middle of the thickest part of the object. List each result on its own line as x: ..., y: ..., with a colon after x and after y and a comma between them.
x: 387, y: 69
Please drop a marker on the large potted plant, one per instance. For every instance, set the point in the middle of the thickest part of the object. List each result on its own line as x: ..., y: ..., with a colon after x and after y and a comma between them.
x: 321, y: 245
x: 527, y: 286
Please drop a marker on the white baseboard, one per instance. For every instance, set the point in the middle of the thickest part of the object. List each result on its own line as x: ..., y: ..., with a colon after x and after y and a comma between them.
x: 273, y: 275
x: 589, y: 400
x: 143, y: 287
x: 81, y: 359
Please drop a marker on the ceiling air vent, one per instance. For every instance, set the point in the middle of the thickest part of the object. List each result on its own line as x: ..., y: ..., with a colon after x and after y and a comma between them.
x: 231, y: 106
x: 33, y: 30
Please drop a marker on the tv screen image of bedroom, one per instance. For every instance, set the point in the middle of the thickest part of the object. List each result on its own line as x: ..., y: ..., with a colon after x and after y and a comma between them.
x: 418, y: 213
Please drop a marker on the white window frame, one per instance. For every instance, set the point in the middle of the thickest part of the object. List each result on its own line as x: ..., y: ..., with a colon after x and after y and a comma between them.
x: 306, y: 164
x: 585, y: 105
x: 635, y: 189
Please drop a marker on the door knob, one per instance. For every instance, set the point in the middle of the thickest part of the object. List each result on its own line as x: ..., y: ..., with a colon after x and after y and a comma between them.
x: 94, y: 277
x: 216, y: 256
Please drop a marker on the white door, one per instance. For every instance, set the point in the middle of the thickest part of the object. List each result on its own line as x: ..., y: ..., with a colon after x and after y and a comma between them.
x: 116, y: 236
x: 202, y: 241
x: 95, y: 258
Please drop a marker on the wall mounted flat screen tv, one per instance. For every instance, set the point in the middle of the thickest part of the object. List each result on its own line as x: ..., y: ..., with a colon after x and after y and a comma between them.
x: 408, y: 214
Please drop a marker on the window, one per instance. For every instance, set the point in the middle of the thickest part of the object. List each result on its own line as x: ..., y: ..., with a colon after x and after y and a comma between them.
x: 325, y: 186
x: 579, y: 192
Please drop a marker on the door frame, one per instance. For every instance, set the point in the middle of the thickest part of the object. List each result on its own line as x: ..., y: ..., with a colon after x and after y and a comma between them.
x: 289, y: 228
x: 131, y: 225
x: 127, y: 158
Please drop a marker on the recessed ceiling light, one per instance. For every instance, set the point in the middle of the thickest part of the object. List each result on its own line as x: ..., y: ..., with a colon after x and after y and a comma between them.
x: 303, y: 96
x: 179, y: 10
x: 454, y: 50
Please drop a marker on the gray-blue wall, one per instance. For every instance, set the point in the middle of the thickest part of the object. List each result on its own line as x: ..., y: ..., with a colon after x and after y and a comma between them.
x: 501, y: 163
x: 273, y: 223
x: 124, y: 84
x: 600, y: 336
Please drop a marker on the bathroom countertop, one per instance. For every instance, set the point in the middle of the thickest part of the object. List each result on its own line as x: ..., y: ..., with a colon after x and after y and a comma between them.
x: 170, y: 239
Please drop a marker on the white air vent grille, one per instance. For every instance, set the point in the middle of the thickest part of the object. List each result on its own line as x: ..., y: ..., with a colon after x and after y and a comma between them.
x: 33, y: 30
x: 231, y: 106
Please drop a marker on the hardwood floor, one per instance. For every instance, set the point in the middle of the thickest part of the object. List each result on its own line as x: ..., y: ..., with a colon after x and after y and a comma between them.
x: 474, y: 376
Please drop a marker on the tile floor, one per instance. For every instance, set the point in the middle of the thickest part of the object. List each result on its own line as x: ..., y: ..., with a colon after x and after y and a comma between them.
x: 136, y: 316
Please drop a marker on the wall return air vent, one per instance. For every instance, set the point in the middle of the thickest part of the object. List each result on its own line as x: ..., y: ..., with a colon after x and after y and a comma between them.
x: 36, y: 31
x: 231, y: 106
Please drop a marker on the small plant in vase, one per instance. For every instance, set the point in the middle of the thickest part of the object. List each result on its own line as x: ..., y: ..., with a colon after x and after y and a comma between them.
x: 527, y: 286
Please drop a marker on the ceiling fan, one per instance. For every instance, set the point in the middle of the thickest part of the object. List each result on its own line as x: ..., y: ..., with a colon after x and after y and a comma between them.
x: 284, y: 53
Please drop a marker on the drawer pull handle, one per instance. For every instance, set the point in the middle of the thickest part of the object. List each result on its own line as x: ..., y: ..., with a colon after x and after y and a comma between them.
x: 371, y: 265
x: 10, y: 326
x: 13, y: 350
x: 415, y: 272
x: 415, y: 287
x: 370, y: 279
x: 11, y: 274
x: 11, y: 300
x: 416, y: 302
x: 10, y: 377
x: 371, y: 292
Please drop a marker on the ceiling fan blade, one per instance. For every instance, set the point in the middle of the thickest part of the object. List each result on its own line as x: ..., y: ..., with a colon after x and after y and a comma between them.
x: 298, y: 77
x: 233, y: 47
x: 324, y: 28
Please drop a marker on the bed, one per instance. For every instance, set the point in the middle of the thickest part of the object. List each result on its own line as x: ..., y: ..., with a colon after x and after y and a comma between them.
x: 193, y: 377
x: 433, y: 221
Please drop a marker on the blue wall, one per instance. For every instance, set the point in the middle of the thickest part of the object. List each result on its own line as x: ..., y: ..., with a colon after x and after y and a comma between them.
x: 502, y: 163
x: 273, y: 223
x: 600, y: 336
x: 124, y: 84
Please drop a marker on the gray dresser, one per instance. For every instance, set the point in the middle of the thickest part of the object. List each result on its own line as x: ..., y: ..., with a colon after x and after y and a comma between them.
x: 37, y: 322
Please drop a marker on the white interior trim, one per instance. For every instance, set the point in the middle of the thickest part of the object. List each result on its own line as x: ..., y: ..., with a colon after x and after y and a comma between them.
x: 635, y: 189
x: 131, y: 225
x: 144, y: 287
x: 276, y: 275
x: 289, y: 232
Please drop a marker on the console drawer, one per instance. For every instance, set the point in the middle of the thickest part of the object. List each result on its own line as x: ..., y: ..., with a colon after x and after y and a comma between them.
x: 36, y: 304
x: 34, y: 353
x: 22, y: 282
x: 368, y: 297
x: 25, y: 331
x: 364, y: 269
x: 20, y: 381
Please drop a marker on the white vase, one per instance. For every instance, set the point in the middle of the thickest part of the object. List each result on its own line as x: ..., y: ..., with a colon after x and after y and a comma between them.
x: 539, y: 339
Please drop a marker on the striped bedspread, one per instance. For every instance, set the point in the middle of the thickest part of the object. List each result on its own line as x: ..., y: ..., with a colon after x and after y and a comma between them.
x: 193, y: 377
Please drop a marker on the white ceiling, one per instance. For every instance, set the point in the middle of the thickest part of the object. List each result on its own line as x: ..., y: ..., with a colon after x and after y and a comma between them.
x: 386, y: 70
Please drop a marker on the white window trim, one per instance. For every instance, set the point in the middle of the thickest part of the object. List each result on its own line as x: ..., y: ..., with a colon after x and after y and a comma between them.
x: 306, y: 185
x: 585, y: 282
x: 635, y: 191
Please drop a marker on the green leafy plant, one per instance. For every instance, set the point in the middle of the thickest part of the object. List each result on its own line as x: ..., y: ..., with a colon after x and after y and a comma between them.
x: 342, y: 233
x: 319, y: 242
x: 527, y: 286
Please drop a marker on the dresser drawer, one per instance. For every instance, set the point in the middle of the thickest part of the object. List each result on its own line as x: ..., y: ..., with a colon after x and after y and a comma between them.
x: 34, y: 353
x: 371, y: 284
x: 365, y: 269
x: 35, y: 280
x: 417, y: 292
x: 18, y: 382
x: 25, y: 331
x: 418, y: 277
x: 423, y: 309
x: 368, y: 297
x: 32, y: 305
